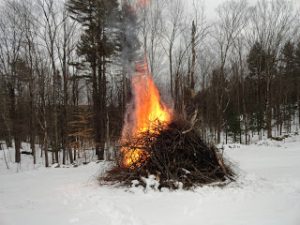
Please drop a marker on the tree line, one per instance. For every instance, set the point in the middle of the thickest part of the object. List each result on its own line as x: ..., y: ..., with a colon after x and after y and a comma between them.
x: 65, y: 70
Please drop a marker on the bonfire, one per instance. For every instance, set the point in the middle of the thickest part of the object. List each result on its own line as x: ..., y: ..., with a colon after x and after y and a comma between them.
x: 159, y: 144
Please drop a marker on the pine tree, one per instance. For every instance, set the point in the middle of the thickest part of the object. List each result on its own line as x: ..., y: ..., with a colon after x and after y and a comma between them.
x: 256, y: 60
x: 257, y: 66
x: 297, y: 76
x: 100, y: 21
x: 289, y: 82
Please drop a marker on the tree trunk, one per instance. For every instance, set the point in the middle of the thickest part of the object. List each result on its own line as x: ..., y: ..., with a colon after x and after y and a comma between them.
x: 32, y: 123
x: 193, y: 65
x: 15, y: 124
x: 269, y: 109
x: 45, y: 145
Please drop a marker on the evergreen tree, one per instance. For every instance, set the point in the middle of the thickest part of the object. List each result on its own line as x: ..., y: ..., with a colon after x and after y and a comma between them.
x: 99, y: 42
x: 289, y: 80
x: 297, y: 77
x: 256, y: 61
x: 257, y: 66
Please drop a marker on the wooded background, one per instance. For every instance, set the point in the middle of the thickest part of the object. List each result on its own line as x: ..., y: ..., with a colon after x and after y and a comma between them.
x: 65, y: 69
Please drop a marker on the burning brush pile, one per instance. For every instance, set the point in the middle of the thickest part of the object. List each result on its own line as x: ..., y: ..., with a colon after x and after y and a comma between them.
x: 156, y: 144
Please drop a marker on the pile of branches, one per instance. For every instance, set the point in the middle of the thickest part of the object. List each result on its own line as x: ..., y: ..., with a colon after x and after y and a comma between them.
x: 175, y: 155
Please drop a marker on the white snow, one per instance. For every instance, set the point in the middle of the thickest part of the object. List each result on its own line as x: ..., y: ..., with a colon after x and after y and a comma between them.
x: 267, y: 192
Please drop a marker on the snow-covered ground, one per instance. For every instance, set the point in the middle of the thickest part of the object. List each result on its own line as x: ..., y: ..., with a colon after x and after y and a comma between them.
x: 267, y: 193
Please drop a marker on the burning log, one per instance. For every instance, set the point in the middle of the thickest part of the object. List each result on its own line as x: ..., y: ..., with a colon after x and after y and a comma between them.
x: 174, y: 154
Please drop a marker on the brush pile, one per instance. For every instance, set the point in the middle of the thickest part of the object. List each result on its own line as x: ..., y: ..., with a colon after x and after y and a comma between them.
x: 176, y: 156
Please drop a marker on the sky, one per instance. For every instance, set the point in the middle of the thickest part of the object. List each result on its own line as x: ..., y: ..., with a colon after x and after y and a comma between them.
x: 211, y: 5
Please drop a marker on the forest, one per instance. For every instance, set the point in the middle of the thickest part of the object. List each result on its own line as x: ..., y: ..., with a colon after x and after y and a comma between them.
x: 66, y: 66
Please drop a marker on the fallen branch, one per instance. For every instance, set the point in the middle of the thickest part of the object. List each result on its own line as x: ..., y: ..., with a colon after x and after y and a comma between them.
x: 173, y: 156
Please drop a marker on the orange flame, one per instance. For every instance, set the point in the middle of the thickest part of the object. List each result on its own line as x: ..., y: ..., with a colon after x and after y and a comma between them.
x: 148, y: 113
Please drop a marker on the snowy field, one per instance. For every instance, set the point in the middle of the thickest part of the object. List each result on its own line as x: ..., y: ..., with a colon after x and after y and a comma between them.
x: 267, y: 193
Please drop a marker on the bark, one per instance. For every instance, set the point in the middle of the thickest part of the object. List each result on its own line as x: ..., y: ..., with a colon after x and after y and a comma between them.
x: 193, y: 66
x: 15, y: 124
x: 45, y: 144
x: 269, y: 109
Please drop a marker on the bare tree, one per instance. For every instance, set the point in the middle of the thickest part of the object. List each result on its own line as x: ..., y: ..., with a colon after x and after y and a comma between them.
x: 11, y: 35
x: 49, y: 34
x: 43, y: 80
x: 29, y: 45
x: 152, y: 30
x: 66, y: 46
x: 232, y: 20
x: 200, y: 29
x: 172, y: 32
